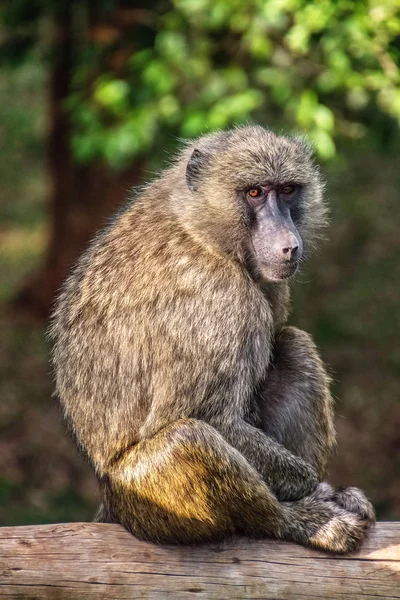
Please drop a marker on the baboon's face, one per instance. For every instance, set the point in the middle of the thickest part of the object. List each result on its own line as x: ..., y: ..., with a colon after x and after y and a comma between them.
x: 269, y: 187
x: 275, y: 242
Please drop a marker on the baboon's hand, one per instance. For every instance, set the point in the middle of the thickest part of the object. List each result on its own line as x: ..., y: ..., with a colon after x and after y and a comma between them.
x: 294, y: 481
x: 355, y: 501
x: 351, y: 499
x: 320, y: 522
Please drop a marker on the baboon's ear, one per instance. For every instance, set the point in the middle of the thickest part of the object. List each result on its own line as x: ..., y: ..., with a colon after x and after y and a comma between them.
x: 194, y: 168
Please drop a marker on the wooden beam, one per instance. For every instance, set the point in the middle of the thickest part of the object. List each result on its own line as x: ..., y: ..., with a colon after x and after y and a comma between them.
x: 82, y: 561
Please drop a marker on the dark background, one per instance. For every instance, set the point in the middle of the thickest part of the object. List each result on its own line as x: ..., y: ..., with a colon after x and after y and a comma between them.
x: 94, y: 97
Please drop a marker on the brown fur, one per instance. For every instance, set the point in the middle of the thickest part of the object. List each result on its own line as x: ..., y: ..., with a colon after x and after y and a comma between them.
x: 201, y: 413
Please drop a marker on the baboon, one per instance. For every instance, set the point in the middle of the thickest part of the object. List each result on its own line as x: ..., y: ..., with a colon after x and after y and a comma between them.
x: 203, y: 415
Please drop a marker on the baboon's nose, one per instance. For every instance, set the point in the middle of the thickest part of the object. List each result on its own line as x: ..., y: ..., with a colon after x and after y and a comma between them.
x: 287, y: 245
x: 290, y: 252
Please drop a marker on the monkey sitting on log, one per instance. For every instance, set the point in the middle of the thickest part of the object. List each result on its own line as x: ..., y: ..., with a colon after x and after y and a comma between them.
x: 203, y: 415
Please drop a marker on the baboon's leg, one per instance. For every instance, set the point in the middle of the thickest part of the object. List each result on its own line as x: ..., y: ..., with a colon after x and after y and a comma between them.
x: 188, y: 485
x: 295, y: 403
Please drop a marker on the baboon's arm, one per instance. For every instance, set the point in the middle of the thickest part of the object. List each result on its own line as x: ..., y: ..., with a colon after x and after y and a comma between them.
x: 295, y: 401
x: 289, y: 476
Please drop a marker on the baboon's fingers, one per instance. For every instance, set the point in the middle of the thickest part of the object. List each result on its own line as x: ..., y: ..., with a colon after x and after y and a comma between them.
x: 355, y: 501
x: 319, y: 522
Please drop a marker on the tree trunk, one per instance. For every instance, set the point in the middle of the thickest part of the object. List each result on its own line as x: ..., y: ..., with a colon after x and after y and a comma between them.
x: 81, y: 197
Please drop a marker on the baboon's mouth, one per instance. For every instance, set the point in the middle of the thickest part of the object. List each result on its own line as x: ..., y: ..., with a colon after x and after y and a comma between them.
x: 280, y: 270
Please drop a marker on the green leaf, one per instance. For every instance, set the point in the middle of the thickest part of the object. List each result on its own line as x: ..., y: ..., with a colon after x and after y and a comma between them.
x: 306, y: 108
x: 324, y: 143
x: 112, y: 94
x: 323, y: 118
x: 121, y: 144
x: 194, y: 124
x: 169, y: 109
x: 172, y: 46
x: 159, y: 77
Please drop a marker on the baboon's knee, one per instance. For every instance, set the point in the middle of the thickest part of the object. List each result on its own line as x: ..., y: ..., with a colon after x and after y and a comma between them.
x: 187, y: 484
x: 295, y: 351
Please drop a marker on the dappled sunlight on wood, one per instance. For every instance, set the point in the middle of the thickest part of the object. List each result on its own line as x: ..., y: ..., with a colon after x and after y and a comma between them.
x: 389, y: 553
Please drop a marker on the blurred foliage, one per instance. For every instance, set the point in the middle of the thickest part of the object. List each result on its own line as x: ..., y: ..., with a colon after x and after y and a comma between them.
x: 22, y: 191
x: 185, y: 67
x: 41, y: 478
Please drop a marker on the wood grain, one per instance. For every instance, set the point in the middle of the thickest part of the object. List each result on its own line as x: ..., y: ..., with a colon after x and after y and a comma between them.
x: 82, y: 561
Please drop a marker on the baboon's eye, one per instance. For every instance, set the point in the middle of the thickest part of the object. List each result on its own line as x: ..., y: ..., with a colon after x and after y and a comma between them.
x: 255, y: 192
x: 255, y: 196
x: 287, y: 189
